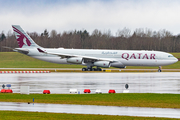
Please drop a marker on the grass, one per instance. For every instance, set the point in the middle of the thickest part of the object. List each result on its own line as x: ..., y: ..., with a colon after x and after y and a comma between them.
x: 16, y: 115
x: 118, y: 99
x: 17, y: 60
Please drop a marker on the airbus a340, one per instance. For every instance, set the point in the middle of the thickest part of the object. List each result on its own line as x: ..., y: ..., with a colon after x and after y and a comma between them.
x: 90, y: 57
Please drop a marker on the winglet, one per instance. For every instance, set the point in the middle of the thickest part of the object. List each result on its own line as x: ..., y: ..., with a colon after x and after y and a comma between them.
x: 40, y: 50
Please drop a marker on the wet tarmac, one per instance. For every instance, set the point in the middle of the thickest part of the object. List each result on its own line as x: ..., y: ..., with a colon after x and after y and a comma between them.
x: 91, y: 109
x: 166, y: 82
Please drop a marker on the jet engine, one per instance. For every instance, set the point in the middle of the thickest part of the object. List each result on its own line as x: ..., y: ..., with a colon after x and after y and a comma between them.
x: 118, y: 65
x: 104, y: 64
x: 75, y: 60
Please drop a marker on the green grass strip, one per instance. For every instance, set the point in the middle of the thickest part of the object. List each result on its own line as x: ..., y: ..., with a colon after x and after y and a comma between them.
x: 16, y: 115
x: 118, y: 99
x: 17, y: 60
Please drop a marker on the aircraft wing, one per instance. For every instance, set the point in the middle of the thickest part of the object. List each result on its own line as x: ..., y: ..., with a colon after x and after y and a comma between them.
x: 70, y: 55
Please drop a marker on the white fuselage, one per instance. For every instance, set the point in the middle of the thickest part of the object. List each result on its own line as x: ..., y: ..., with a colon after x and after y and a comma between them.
x: 124, y: 57
x: 90, y: 57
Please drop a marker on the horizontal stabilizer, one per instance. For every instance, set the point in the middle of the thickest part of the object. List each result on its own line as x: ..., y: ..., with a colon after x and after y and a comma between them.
x: 8, y: 47
x: 21, y: 50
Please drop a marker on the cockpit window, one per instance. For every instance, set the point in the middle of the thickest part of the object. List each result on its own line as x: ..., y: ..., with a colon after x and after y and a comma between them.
x: 170, y: 56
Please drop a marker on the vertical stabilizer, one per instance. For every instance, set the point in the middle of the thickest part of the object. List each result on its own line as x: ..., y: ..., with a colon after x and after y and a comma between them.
x: 23, y: 39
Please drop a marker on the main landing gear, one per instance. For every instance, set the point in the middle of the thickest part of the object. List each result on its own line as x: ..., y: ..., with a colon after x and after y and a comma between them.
x: 159, y: 70
x: 91, y: 69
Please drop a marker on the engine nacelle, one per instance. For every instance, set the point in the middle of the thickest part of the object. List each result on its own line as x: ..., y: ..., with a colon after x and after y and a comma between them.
x: 118, y: 65
x: 104, y: 64
x: 75, y: 60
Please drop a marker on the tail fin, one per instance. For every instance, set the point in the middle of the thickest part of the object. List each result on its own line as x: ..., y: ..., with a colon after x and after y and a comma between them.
x: 23, y: 39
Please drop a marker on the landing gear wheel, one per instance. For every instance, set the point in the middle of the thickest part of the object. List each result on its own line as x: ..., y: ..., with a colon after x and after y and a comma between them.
x: 89, y: 69
x: 84, y: 69
x: 99, y: 69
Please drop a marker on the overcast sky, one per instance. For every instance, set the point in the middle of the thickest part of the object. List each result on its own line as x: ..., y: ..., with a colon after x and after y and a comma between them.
x: 67, y: 15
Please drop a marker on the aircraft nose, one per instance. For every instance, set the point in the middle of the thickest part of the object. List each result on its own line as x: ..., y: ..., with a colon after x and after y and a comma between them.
x: 175, y: 60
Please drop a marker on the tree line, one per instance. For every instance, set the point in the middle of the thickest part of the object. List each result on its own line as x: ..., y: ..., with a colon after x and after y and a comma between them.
x: 139, y: 39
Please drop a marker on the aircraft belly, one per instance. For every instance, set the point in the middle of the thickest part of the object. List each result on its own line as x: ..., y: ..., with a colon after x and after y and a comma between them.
x: 165, y: 62
x: 141, y: 62
x: 138, y: 62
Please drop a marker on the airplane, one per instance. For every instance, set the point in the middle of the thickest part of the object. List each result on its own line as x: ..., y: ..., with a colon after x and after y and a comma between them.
x: 91, y: 57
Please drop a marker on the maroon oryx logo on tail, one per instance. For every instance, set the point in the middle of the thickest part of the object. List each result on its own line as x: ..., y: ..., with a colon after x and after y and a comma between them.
x: 21, y: 38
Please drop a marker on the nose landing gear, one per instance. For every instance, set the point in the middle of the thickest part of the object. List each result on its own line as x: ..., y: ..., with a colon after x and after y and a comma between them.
x: 159, y: 70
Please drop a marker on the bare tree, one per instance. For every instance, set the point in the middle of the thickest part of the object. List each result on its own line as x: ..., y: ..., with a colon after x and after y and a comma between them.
x: 141, y: 39
x: 125, y: 32
x: 53, y: 34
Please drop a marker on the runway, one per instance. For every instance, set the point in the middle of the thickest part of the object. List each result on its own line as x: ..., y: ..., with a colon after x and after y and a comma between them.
x: 80, y: 70
x: 92, y: 109
x: 61, y: 83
